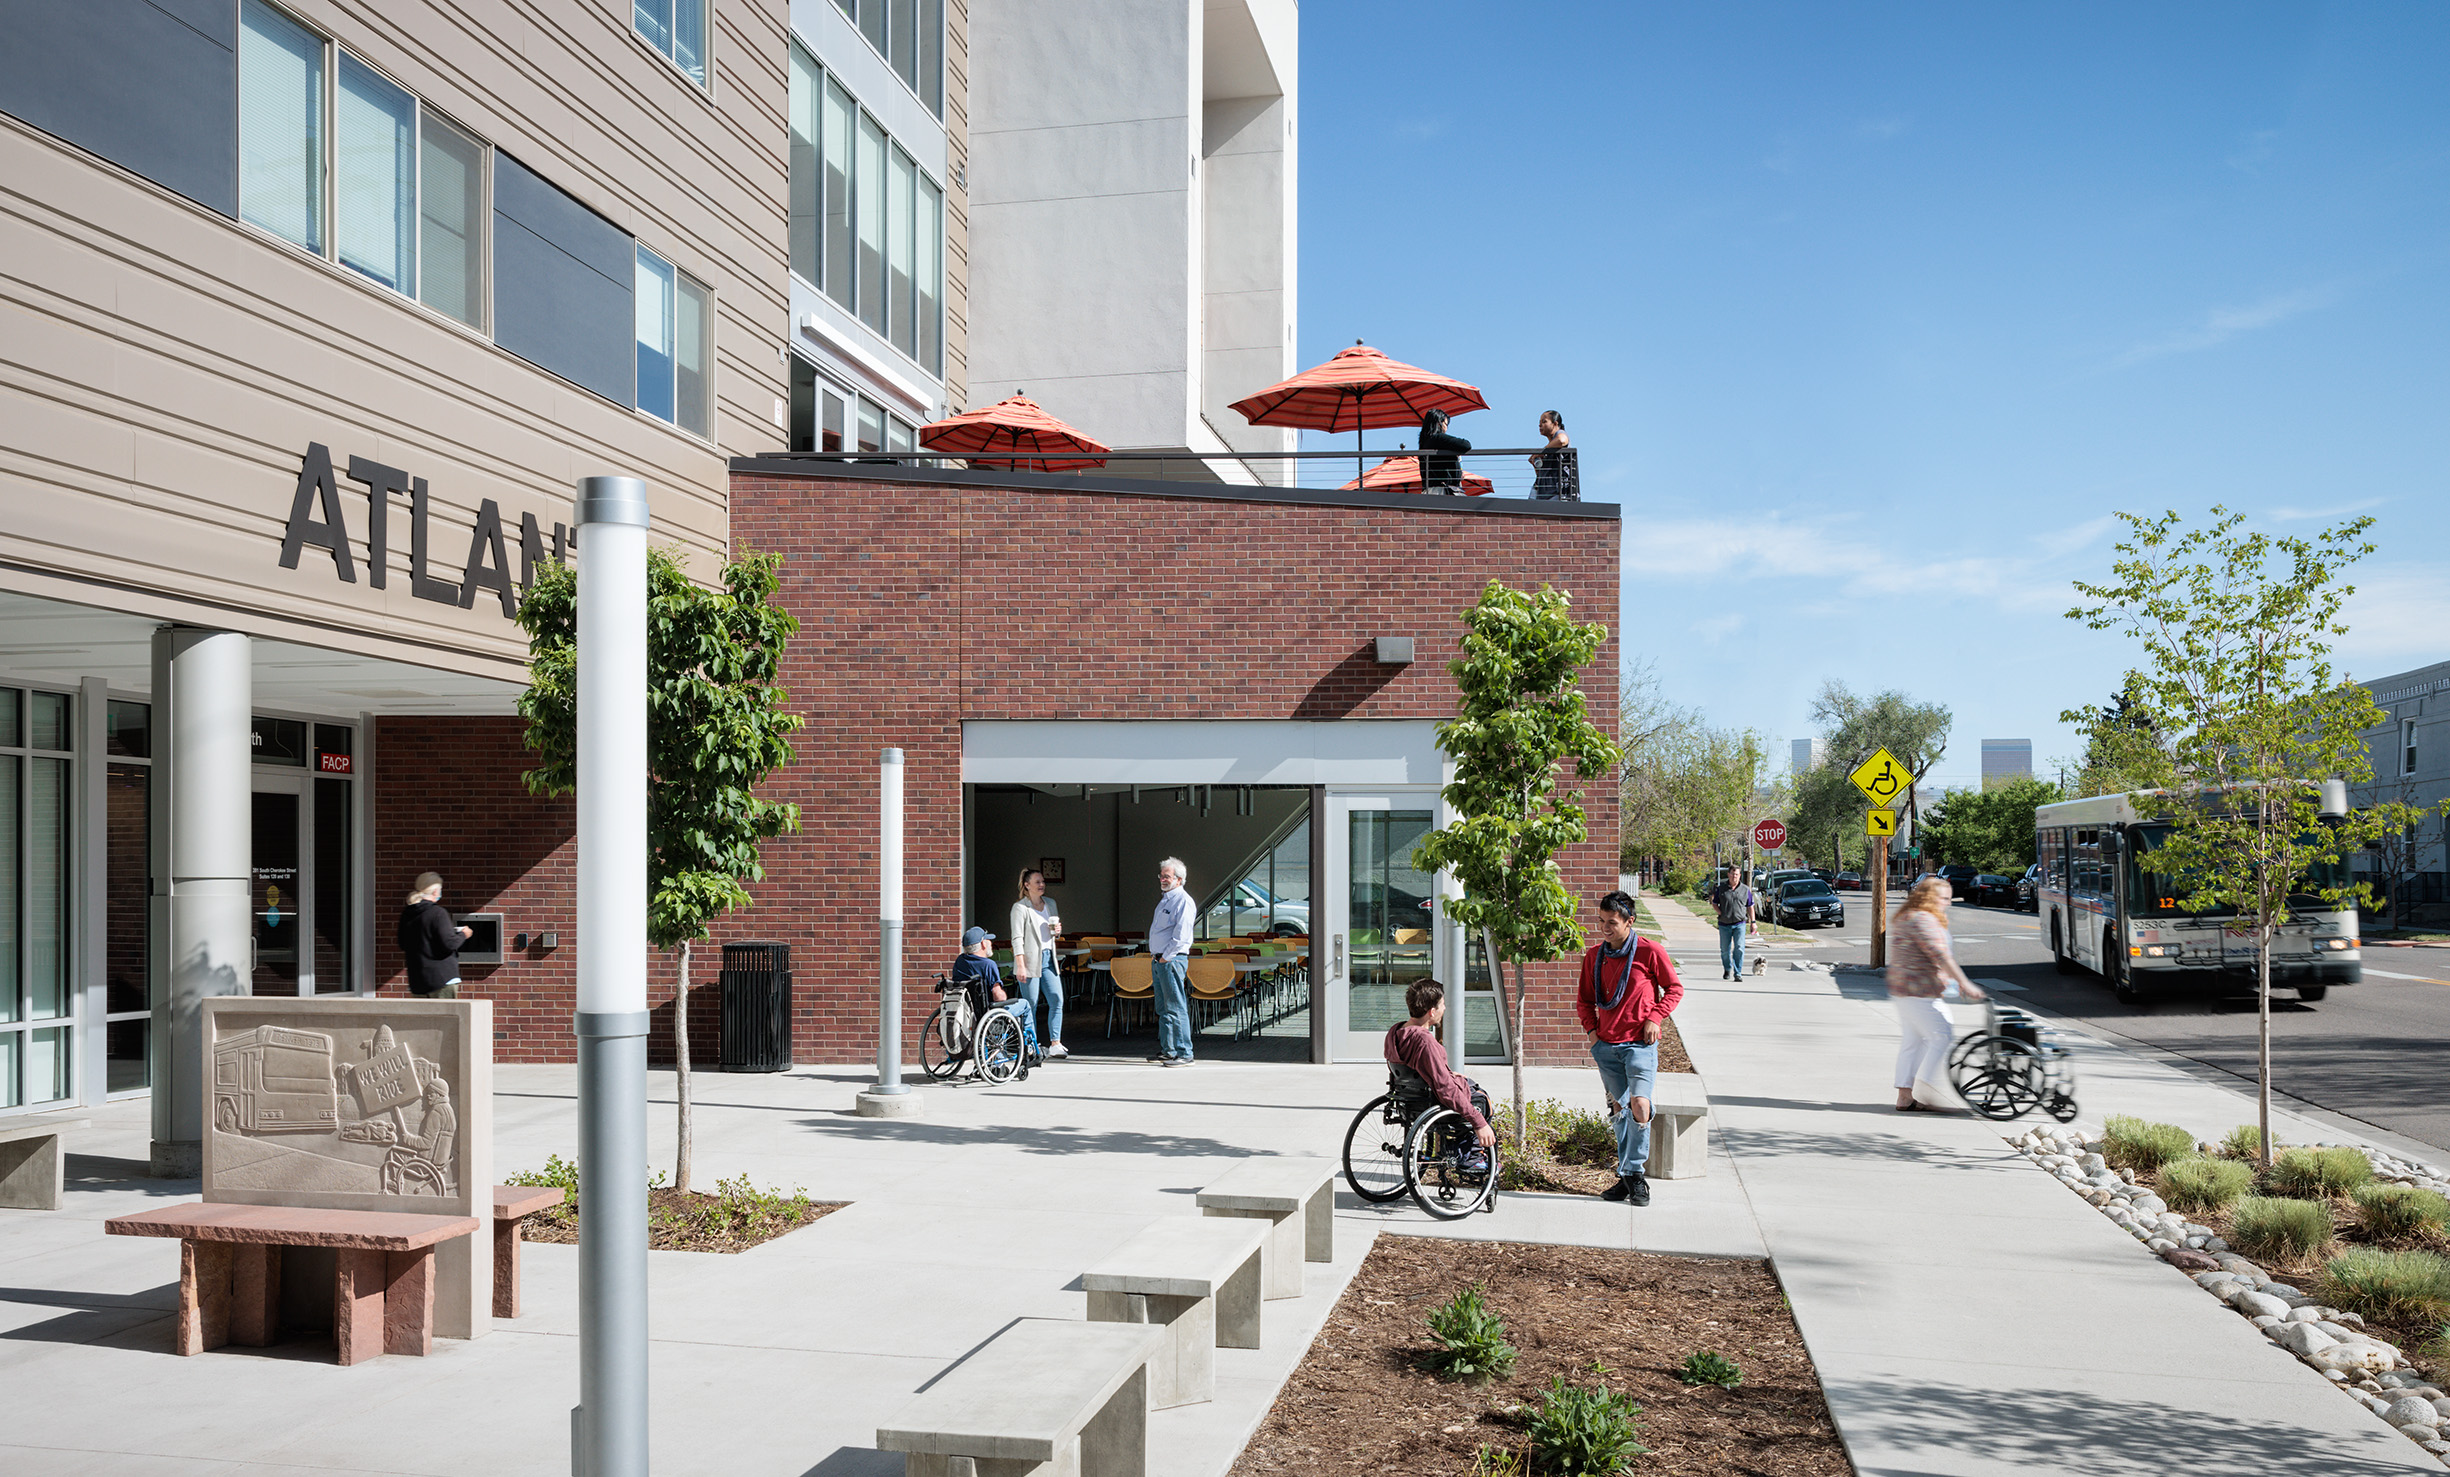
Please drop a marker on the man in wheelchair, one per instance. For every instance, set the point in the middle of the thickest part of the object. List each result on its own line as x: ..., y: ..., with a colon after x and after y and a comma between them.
x: 976, y: 972
x: 1413, y: 1047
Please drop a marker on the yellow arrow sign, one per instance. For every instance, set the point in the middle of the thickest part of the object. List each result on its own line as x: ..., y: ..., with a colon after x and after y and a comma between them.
x: 1882, y: 777
x: 1880, y: 823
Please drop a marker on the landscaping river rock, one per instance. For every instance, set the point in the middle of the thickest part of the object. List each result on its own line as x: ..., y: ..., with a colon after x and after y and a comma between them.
x: 2370, y: 1370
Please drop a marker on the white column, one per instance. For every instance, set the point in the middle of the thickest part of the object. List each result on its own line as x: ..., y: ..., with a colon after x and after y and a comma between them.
x: 203, y: 702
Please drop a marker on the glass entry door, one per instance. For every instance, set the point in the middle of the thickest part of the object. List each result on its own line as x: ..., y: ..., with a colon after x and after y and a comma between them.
x: 1381, y: 920
x: 277, y: 887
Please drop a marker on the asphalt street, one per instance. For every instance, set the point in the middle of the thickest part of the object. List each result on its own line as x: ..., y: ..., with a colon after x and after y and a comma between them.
x: 2377, y: 1052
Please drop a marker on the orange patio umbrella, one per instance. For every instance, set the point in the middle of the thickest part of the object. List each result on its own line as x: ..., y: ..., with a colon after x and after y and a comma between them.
x: 1403, y: 474
x: 1014, y: 424
x: 1358, y: 388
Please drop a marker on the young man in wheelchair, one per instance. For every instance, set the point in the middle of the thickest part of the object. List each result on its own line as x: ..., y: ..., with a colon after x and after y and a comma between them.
x: 1413, y: 1045
x: 976, y: 972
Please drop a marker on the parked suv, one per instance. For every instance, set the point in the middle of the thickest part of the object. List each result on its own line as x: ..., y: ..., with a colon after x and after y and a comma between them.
x: 1807, y: 902
x: 1960, y: 880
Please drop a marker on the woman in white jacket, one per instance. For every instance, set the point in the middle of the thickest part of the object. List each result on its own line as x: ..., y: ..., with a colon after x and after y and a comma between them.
x: 1034, y: 967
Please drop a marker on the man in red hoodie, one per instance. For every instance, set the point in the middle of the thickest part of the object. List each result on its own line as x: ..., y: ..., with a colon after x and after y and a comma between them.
x: 1628, y: 989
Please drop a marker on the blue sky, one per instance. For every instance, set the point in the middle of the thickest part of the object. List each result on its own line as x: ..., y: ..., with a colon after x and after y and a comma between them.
x: 1873, y: 315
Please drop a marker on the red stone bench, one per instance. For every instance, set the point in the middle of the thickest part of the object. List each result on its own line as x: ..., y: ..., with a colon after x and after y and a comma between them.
x: 511, y: 1205
x: 230, y: 1272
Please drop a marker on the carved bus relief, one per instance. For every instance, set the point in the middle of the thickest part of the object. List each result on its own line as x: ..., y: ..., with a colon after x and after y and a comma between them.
x: 365, y: 1110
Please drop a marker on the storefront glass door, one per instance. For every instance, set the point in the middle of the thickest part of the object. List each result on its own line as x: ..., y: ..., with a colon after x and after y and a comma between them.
x: 1381, y: 918
x: 277, y: 887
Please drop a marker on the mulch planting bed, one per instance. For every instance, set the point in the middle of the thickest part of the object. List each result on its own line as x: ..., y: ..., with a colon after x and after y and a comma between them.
x: 692, y: 1220
x: 1574, y: 1163
x: 1364, y: 1402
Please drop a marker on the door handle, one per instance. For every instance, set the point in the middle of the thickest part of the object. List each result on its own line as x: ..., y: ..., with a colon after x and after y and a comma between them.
x: 1336, y: 972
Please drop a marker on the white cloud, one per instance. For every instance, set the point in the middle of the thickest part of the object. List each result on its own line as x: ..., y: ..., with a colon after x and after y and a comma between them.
x: 2290, y: 514
x: 2398, y: 618
x: 1834, y: 559
x: 2223, y: 324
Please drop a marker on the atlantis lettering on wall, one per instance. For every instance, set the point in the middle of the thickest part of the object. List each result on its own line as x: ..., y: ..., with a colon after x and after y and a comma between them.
x: 486, y: 568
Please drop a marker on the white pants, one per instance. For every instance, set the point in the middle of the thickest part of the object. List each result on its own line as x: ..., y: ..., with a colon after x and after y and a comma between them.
x: 1925, y: 1033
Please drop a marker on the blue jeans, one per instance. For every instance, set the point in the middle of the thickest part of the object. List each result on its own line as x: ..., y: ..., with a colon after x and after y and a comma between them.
x: 1627, y: 1071
x: 1029, y: 1022
x: 1044, y: 990
x: 1731, y: 947
x: 1173, y: 1008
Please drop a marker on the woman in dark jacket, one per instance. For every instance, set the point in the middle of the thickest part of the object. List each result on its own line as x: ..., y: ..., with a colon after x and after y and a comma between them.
x: 431, y: 940
x: 1440, y: 474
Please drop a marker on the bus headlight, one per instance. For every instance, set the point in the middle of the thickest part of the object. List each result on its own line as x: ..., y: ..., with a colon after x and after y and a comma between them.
x: 2340, y: 945
x: 2160, y: 951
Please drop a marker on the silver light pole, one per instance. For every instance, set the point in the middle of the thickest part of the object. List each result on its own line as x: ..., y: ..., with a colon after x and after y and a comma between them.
x: 890, y: 1097
x: 608, y: 1430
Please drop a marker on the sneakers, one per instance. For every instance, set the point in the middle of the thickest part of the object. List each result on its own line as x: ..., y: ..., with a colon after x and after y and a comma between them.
x: 1176, y: 1061
x: 1058, y: 1052
x: 1631, y: 1189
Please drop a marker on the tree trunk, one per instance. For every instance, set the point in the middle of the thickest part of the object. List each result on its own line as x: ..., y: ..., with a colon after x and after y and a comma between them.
x: 1514, y: 1015
x: 1522, y: 1112
x: 2262, y: 1044
x: 680, y: 1053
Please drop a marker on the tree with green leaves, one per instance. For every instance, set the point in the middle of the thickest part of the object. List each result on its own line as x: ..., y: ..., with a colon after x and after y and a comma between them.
x: 717, y: 724
x: 1685, y: 786
x: 1520, y: 716
x: 1852, y: 727
x: 1990, y: 830
x: 2236, y: 717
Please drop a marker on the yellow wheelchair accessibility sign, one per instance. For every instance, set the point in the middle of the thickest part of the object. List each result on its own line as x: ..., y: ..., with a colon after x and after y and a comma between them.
x: 1882, y: 778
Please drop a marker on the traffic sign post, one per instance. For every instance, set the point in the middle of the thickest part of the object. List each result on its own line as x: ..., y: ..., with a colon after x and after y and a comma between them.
x: 1886, y: 781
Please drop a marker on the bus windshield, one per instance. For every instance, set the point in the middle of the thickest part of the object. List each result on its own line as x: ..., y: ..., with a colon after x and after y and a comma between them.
x: 2152, y: 894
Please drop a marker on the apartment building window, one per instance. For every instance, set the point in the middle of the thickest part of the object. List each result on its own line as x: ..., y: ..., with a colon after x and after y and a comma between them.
x: 866, y: 223
x: 677, y: 28
x: 322, y: 137
x: 2407, y: 746
x: 909, y: 35
x: 36, y: 1005
x: 675, y: 324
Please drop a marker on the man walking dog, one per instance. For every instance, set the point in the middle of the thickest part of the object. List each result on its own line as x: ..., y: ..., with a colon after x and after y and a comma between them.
x: 1628, y: 990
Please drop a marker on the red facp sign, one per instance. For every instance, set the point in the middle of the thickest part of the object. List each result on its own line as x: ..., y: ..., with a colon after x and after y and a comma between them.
x: 335, y: 763
x: 1770, y: 835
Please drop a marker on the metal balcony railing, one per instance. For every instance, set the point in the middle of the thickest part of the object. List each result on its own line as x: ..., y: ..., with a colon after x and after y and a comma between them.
x: 1518, y: 472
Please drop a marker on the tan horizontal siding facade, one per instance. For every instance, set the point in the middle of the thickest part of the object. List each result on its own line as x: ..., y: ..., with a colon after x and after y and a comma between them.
x: 163, y: 369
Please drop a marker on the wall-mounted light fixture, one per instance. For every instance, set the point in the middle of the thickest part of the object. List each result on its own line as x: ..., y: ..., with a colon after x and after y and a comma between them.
x: 1395, y: 651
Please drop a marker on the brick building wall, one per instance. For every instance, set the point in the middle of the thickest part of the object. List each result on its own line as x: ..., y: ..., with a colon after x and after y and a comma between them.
x: 926, y: 604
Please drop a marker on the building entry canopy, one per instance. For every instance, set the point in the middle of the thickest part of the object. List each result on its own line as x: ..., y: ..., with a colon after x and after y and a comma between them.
x: 1284, y: 752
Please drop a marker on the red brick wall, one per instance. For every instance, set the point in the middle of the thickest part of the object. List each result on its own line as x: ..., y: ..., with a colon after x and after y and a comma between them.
x: 922, y: 605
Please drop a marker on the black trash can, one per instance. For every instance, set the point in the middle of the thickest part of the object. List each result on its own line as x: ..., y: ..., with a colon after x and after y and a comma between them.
x: 756, y: 986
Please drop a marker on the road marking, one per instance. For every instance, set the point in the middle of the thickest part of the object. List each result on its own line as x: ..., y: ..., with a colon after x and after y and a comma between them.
x: 2422, y: 979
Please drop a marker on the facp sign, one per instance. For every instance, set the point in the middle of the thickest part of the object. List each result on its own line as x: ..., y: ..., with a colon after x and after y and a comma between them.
x: 1770, y: 835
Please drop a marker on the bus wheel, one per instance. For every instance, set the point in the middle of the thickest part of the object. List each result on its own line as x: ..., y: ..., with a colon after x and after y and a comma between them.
x: 2312, y: 994
x: 2121, y: 975
x: 2058, y: 950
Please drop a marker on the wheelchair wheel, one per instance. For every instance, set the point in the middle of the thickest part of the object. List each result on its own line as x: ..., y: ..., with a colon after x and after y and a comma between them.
x: 1449, y: 1174
x: 998, y: 1047
x: 934, y: 1059
x: 1999, y: 1077
x: 1374, y: 1151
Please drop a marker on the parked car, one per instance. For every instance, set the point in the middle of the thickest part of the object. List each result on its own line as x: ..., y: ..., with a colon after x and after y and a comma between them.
x: 2028, y: 890
x: 1248, y: 908
x: 1770, y: 882
x: 1990, y: 890
x: 1825, y: 875
x: 1960, y: 878
x: 1807, y: 902
x: 1849, y: 882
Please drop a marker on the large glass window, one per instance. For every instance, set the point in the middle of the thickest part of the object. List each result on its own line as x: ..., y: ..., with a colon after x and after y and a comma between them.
x: 451, y: 253
x: 280, y: 125
x: 374, y: 148
x: 900, y: 188
x: 930, y: 275
x: 909, y: 35
x: 675, y: 345
x: 677, y: 28
x: 871, y: 425
x: 836, y: 148
x: 36, y: 802
x: 869, y: 185
x: 807, y: 187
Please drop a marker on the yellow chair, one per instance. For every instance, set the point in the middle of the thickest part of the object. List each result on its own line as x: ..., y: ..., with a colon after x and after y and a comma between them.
x: 1134, y: 984
x: 1214, y: 981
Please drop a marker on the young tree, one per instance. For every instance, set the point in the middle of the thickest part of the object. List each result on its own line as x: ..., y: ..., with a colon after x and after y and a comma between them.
x: 1852, y: 727
x: 717, y: 725
x: 1520, y: 713
x: 1990, y: 830
x: 2236, y: 714
x: 1686, y: 787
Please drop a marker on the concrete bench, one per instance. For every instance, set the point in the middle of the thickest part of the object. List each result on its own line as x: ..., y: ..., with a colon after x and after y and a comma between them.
x: 1197, y: 1278
x: 1679, y: 1127
x: 32, y: 1169
x: 1068, y: 1398
x: 511, y: 1205
x: 230, y: 1272
x: 1298, y: 1195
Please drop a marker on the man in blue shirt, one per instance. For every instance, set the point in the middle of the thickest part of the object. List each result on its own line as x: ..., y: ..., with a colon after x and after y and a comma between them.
x: 1169, y: 947
x: 975, y: 970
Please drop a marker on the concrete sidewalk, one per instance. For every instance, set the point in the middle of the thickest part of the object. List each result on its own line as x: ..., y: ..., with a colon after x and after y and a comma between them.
x: 1968, y: 1315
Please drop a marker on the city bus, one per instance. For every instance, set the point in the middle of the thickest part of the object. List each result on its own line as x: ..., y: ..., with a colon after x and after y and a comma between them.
x: 2105, y: 910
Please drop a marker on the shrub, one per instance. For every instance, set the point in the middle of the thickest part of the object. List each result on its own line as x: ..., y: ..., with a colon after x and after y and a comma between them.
x: 2270, y: 1226
x: 1471, y: 1339
x: 2402, y: 1288
x: 1569, y: 1135
x: 2204, y: 1184
x: 1585, y: 1430
x: 2131, y: 1143
x: 2399, y: 1212
x: 2244, y: 1142
x: 2313, y: 1174
x: 1676, y: 881
x: 1711, y: 1369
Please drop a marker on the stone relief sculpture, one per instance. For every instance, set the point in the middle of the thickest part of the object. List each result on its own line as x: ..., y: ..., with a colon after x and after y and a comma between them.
x: 350, y: 1109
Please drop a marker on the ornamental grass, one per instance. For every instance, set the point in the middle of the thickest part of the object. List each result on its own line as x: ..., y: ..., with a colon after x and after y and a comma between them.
x: 2131, y: 1143
x: 2277, y: 1226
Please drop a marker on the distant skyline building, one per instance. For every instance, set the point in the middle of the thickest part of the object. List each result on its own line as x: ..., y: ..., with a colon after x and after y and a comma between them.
x: 2004, y: 760
x: 1808, y: 753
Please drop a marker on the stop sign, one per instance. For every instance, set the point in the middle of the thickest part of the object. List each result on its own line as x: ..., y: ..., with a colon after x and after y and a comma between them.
x: 1770, y: 835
